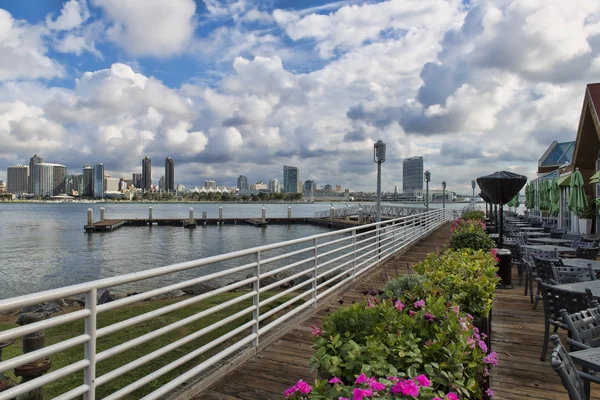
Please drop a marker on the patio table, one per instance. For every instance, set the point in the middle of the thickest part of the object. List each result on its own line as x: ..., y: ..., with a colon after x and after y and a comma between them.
x: 581, y: 262
x: 545, y: 240
x: 531, y: 229
x: 548, y: 247
x: 537, y: 234
x: 580, y: 287
x: 589, y: 358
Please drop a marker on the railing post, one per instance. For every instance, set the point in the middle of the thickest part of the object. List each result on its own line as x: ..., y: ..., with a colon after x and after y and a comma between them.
x: 256, y: 301
x: 314, y: 273
x: 394, y: 238
x: 378, y: 241
x: 89, y: 349
x: 354, y: 255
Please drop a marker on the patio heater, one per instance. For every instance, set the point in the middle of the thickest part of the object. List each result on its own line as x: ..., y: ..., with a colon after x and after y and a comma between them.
x: 427, y: 179
x: 379, y: 158
x: 443, y: 194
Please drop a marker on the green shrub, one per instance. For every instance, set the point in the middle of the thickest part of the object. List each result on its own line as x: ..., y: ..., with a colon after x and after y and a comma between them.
x: 466, y: 277
x: 397, y: 287
x: 471, y: 240
x: 403, y: 338
x: 474, y: 214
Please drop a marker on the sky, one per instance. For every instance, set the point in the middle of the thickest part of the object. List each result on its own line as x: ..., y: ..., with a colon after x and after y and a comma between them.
x: 245, y: 86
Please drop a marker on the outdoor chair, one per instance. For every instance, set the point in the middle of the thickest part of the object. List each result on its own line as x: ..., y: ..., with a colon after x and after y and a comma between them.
x: 557, y: 233
x: 569, y: 375
x: 589, y: 243
x: 555, y: 300
x: 575, y: 237
x: 517, y: 257
x: 589, y: 253
x: 543, y: 263
x: 584, y: 327
x: 564, y: 274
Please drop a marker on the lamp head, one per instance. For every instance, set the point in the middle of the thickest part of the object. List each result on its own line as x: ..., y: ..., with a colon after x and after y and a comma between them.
x: 379, y: 152
x: 444, y: 185
x: 473, y: 184
x: 427, y: 176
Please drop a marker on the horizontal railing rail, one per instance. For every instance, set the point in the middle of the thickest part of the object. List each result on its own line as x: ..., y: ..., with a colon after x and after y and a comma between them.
x: 370, y: 210
x: 278, y: 281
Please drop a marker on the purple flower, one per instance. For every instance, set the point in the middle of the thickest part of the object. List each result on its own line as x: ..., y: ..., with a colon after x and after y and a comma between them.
x: 335, y: 380
x: 406, y: 387
x: 360, y: 393
x: 428, y: 316
x: 486, y: 372
x: 316, y: 331
x: 491, y: 359
x: 489, y: 392
x: 411, y: 313
x: 362, y: 378
x: 399, y: 306
x: 420, y: 303
x: 303, y: 386
x: 423, y: 381
x: 482, y: 346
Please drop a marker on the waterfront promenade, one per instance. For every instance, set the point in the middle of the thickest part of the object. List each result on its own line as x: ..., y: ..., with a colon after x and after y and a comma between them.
x: 517, y: 333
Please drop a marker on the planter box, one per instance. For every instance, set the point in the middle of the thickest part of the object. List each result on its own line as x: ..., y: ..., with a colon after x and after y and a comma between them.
x: 585, y: 226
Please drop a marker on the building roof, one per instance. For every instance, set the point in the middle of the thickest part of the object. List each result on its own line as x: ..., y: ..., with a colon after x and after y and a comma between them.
x: 557, y: 154
x: 588, y: 133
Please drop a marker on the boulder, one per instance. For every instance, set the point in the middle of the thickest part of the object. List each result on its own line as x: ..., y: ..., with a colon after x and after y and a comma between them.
x: 200, y: 288
x: 107, y: 296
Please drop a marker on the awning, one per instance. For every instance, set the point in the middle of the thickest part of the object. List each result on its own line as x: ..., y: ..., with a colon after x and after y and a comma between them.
x: 564, y: 180
x: 595, y: 178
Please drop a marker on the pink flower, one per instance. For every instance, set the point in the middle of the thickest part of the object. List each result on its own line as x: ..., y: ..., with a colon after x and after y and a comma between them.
x: 423, y: 381
x: 491, y: 359
x: 452, y: 396
x: 420, y: 303
x: 370, y: 305
x: 411, y: 313
x: 393, y: 378
x: 399, y: 306
x: 289, y: 392
x: 360, y: 393
x: 437, y: 398
x: 455, y: 309
x: 303, y: 386
x: 335, y: 380
x: 482, y: 346
x: 377, y: 386
x: 428, y: 343
x: 486, y: 372
x: 489, y: 392
x: 428, y: 316
x: 316, y: 331
x: 406, y: 387
x: 362, y: 378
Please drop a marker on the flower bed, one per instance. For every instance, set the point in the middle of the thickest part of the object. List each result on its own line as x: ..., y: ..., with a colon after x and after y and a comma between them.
x: 418, y: 338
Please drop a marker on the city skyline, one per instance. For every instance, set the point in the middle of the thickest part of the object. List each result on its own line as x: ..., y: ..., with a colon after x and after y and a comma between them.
x: 242, y: 87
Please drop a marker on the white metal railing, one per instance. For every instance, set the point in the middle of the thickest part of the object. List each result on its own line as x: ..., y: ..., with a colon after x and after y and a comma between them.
x: 326, y: 261
x: 370, y: 209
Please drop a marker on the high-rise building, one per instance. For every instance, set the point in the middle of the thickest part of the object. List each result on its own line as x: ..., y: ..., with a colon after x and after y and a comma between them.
x: 76, y: 185
x: 33, y: 161
x: 137, y: 180
x: 88, y: 181
x: 274, y: 186
x: 412, y: 175
x: 50, y: 179
x: 309, y: 187
x: 162, y: 184
x: 169, y: 175
x: 2, y: 187
x: 290, y: 179
x: 242, y: 183
x: 208, y: 184
x: 99, y: 187
x: 259, y: 186
x: 111, y: 184
x: 18, y: 179
x: 147, y: 174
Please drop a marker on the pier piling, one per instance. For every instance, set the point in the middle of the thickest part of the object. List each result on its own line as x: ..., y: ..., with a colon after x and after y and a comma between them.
x: 289, y: 212
x: 102, y: 214
x: 220, y: 212
x: 264, y: 215
x: 332, y: 213
x: 150, y: 214
x: 90, y: 217
x: 191, y: 223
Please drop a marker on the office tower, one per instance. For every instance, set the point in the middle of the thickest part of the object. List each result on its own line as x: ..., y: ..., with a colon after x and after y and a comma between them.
x: 274, y: 186
x: 210, y: 184
x: 147, y: 174
x: 88, y: 181
x: 242, y: 183
x: 111, y: 184
x: 309, y: 187
x: 137, y: 180
x: 33, y: 161
x: 50, y: 179
x: 412, y: 175
x: 18, y: 179
x: 162, y: 184
x: 290, y: 179
x: 99, y: 187
x: 76, y: 185
x: 169, y: 175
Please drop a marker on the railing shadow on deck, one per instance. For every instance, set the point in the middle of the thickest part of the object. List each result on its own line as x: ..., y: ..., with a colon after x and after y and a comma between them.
x: 276, y: 283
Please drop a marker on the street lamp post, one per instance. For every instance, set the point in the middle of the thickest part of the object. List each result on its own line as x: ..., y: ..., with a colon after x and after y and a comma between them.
x: 444, y: 194
x: 379, y: 158
x: 427, y: 179
x: 473, y: 185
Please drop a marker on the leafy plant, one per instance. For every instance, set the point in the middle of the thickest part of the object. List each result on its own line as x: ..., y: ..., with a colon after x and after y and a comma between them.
x: 467, y: 277
x: 589, y: 212
x: 467, y: 225
x: 402, y: 337
x: 471, y: 240
x: 397, y: 287
x: 474, y: 214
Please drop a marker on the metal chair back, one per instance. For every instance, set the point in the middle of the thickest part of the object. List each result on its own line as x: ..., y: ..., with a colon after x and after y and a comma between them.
x: 589, y: 253
x: 584, y: 327
x: 567, y: 371
x: 564, y: 274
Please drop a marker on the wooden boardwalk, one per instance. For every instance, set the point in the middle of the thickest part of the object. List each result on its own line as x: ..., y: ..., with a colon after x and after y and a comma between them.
x: 517, y: 338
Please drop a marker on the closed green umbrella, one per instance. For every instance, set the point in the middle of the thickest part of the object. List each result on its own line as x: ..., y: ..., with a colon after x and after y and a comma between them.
x: 517, y: 203
x: 577, y: 199
x: 542, y: 193
x: 527, y: 196
x: 554, y: 197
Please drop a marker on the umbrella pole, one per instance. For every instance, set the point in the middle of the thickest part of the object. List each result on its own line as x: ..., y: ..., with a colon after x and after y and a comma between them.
x: 501, y: 223
x: 496, y: 217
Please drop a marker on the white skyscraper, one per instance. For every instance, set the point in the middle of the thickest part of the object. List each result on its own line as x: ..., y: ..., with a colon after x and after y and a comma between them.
x: 274, y: 186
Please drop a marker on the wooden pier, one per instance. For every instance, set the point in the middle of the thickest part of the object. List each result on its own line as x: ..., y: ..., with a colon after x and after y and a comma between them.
x: 109, y: 225
x: 517, y: 338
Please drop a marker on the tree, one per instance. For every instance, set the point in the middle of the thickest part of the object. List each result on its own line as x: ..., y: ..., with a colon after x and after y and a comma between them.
x: 245, y: 197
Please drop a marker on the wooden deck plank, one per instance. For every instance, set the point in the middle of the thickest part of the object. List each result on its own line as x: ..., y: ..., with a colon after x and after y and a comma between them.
x: 517, y: 338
